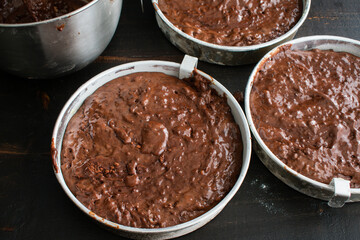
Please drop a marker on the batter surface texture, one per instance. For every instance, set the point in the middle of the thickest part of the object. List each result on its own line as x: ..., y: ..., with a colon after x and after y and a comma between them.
x: 233, y: 22
x: 306, y: 108
x: 149, y: 150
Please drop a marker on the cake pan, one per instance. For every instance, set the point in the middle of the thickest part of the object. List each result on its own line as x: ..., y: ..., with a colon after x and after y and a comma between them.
x: 172, y: 69
x: 218, y: 54
x: 61, y: 45
x: 338, y: 191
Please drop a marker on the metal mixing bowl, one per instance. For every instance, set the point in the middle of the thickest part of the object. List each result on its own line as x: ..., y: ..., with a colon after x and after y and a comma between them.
x: 172, y: 69
x: 218, y: 54
x: 292, y: 178
x: 61, y: 45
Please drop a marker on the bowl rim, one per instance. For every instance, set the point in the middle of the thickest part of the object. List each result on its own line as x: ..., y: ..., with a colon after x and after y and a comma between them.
x: 204, y: 218
x: 255, y: 133
x: 293, y: 30
x: 51, y: 20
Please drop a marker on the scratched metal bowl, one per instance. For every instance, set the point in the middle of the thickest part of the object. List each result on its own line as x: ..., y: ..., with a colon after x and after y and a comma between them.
x: 171, y: 69
x: 219, y: 54
x: 292, y: 178
x: 61, y: 45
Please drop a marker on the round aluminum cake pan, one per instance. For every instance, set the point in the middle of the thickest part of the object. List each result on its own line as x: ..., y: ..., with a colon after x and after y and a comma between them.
x: 218, y: 54
x: 169, y: 68
x: 61, y: 45
x: 292, y: 178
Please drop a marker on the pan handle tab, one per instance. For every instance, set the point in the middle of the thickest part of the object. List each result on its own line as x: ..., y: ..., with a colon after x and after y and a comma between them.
x: 342, y: 192
x: 187, y: 66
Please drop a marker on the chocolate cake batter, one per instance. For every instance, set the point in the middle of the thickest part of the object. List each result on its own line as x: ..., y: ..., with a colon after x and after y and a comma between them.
x: 149, y: 150
x: 306, y: 108
x: 233, y: 22
x: 25, y: 11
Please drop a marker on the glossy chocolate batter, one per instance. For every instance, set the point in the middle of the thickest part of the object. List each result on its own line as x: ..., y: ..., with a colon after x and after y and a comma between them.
x: 306, y: 108
x: 233, y: 22
x: 25, y: 11
x: 149, y: 150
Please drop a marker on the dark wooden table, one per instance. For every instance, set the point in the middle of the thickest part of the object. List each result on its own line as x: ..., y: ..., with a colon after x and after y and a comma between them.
x: 33, y: 205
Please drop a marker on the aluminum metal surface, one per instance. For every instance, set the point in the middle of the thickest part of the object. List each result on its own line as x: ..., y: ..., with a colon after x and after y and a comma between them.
x: 292, y: 178
x: 61, y: 45
x: 168, y: 68
x: 218, y: 54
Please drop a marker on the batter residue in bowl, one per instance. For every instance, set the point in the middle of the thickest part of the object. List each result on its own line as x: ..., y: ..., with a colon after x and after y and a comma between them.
x: 25, y: 11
